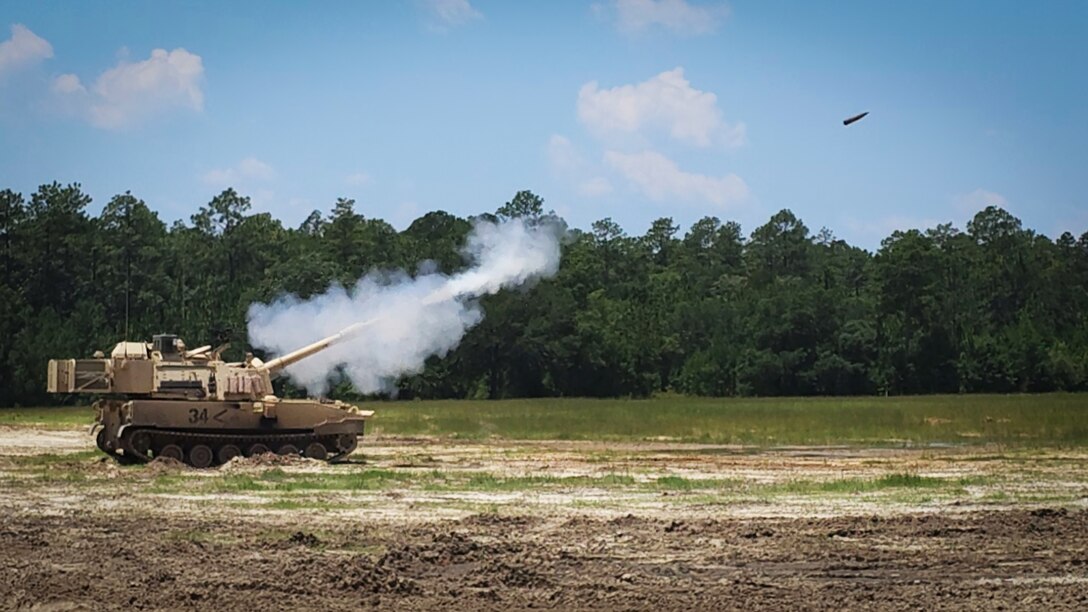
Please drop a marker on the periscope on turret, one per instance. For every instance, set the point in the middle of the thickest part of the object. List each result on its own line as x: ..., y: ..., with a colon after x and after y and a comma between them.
x: 159, y: 399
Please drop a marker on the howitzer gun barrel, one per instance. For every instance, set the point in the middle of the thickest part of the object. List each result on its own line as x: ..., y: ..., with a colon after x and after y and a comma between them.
x: 282, y: 362
x: 276, y: 365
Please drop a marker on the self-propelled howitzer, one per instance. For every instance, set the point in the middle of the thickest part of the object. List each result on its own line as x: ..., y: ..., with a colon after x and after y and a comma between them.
x: 160, y: 400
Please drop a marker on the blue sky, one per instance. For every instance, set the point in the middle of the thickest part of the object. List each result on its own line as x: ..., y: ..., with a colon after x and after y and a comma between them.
x: 630, y: 109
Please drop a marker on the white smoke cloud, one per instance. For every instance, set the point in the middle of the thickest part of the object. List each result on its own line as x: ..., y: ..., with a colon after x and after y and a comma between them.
x: 406, y: 320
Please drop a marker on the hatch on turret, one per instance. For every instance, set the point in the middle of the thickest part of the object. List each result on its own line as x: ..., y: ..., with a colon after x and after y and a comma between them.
x: 129, y: 350
x: 169, y: 346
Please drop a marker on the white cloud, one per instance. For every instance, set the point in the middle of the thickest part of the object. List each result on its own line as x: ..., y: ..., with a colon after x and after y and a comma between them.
x: 959, y: 214
x: 869, y: 232
x: 677, y: 16
x: 666, y: 101
x: 300, y: 204
x: 22, y: 49
x: 450, y: 13
x: 659, y: 178
x: 357, y: 179
x: 262, y: 199
x: 562, y: 155
x: 1075, y: 223
x: 131, y: 92
x: 872, y: 231
x: 979, y: 199
x: 249, y: 170
x: 402, y: 214
x: 67, y: 84
x: 628, y: 119
x: 568, y: 164
x: 595, y: 187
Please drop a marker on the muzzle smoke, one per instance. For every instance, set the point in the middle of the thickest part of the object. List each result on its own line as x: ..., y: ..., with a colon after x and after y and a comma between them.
x: 407, y: 319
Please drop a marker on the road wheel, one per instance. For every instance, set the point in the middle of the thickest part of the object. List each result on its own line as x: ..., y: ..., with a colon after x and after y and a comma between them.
x: 102, y: 440
x: 171, y: 451
x: 316, y: 450
x: 347, y: 443
x: 287, y: 450
x: 257, y: 449
x: 200, y: 456
x: 138, y: 444
x: 228, y: 452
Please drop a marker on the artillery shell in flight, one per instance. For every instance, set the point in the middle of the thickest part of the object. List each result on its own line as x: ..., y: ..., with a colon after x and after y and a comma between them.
x: 854, y: 118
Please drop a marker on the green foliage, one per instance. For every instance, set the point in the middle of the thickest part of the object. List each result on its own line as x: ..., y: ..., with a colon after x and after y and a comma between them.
x: 995, y: 308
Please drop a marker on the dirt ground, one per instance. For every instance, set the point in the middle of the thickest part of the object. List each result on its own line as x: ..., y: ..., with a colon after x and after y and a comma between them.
x: 79, y: 533
x: 990, y: 560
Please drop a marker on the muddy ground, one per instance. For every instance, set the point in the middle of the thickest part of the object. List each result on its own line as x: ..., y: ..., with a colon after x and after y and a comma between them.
x: 990, y: 529
x: 979, y: 561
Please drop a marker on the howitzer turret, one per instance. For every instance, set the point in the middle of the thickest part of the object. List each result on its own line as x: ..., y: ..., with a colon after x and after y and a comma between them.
x: 160, y: 400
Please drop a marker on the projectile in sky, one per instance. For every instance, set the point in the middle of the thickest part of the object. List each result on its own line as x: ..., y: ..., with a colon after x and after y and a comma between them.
x: 854, y: 118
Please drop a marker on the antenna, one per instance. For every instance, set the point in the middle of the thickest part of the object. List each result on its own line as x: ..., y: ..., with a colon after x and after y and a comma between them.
x: 128, y: 278
x: 128, y: 260
x: 127, y: 273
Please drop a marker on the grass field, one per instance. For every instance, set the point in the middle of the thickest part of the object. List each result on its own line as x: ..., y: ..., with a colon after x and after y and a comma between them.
x: 519, y: 497
x: 1018, y: 420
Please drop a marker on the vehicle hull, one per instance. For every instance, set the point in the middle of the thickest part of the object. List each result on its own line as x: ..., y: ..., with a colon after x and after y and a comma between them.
x: 139, y: 430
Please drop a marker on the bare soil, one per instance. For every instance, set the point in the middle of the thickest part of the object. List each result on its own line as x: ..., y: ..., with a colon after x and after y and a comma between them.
x: 82, y: 533
x: 980, y: 561
x: 18, y: 441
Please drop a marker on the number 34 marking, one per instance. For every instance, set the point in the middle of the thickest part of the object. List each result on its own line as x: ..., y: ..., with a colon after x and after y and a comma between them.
x: 197, y: 415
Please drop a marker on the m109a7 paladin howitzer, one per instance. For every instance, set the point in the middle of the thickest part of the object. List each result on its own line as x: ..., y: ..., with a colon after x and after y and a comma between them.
x: 160, y: 400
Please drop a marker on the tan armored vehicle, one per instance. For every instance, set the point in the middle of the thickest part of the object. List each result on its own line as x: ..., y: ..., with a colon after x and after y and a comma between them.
x: 161, y: 400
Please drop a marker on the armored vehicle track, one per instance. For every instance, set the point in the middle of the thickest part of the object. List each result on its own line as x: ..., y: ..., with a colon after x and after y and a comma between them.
x: 204, y: 449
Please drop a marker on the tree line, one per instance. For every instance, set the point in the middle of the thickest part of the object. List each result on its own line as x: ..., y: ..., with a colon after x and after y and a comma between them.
x: 780, y: 311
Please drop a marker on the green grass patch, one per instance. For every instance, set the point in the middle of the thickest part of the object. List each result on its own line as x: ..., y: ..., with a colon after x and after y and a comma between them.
x: 63, y: 477
x: 279, y: 480
x: 490, y: 482
x: 679, y: 483
x: 366, y: 480
x: 1050, y: 420
x: 870, y: 485
x: 169, y: 484
x: 292, y: 503
x: 58, y: 417
x: 236, y: 484
x: 376, y: 479
x: 1015, y: 421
